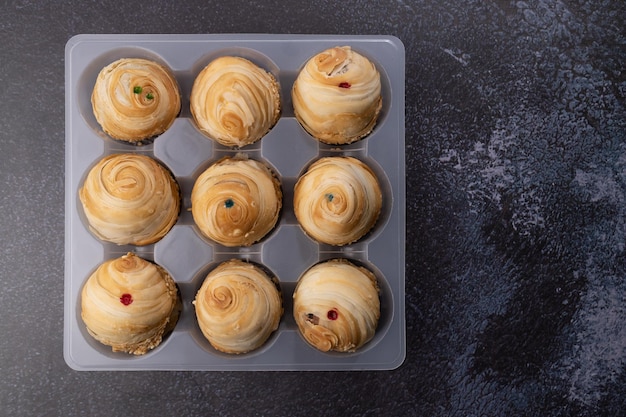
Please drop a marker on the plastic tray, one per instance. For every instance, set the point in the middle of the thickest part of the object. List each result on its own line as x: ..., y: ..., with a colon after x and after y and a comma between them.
x: 287, y: 251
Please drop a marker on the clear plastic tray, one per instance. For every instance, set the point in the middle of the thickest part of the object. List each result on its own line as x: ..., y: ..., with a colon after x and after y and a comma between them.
x: 287, y: 251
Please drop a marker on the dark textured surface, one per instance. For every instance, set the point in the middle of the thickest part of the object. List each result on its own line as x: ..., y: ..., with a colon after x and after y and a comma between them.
x: 516, y: 236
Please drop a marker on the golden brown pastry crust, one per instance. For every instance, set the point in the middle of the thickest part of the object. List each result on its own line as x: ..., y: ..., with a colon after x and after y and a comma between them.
x: 337, y: 96
x: 338, y: 200
x: 129, y: 304
x: 336, y: 306
x: 135, y: 99
x: 238, y: 307
x: 130, y: 199
x: 235, y: 102
x: 236, y: 201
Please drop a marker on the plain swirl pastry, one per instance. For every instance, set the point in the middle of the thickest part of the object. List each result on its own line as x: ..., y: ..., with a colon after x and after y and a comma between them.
x: 236, y: 201
x: 336, y: 306
x: 130, y: 199
x: 337, y: 96
x: 135, y: 99
x: 129, y: 304
x: 235, y: 102
x: 337, y: 200
x: 238, y: 307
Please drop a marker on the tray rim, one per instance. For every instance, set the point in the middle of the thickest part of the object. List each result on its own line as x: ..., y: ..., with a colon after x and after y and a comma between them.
x: 130, y: 39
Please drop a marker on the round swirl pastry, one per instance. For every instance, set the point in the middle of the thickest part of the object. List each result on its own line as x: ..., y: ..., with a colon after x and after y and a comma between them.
x: 336, y: 306
x: 337, y: 96
x: 129, y: 304
x: 338, y: 200
x: 135, y: 99
x: 236, y: 201
x: 235, y: 102
x: 238, y: 307
x: 130, y: 199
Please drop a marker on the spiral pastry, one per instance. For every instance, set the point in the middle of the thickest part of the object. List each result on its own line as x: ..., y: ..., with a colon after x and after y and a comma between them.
x: 238, y: 307
x: 130, y: 199
x: 135, y: 99
x: 336, y: 306
x: 236, y: 201
x: 337, y: 200
x: 129, y: 304
x: 235, y: 102
x: 337, y: 96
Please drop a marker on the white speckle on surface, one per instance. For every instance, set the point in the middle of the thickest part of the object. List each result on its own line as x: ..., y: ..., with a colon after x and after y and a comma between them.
x: 497, y: 172
x: 460, y: 57
x: 599, y: 352
x: 597, y: 186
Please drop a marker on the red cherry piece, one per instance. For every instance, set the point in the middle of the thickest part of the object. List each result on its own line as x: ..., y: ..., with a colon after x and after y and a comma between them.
x: 332, y: 314
x: 344, y: 84
x: 126, y: 299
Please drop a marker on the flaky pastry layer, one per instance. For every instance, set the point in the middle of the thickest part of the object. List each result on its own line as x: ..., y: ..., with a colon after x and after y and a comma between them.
x: 238, y: 307
x: 135, y: 99
x: 130, y: 199
x: 336, y: 306
x: 235, y: 102
x: 337, y: 96
x: 236, y: 201
x: 337, y: 200
x: 129, y: 303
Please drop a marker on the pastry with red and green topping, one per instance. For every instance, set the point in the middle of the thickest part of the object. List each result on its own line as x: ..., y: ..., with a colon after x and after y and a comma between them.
x: 135, y: 100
